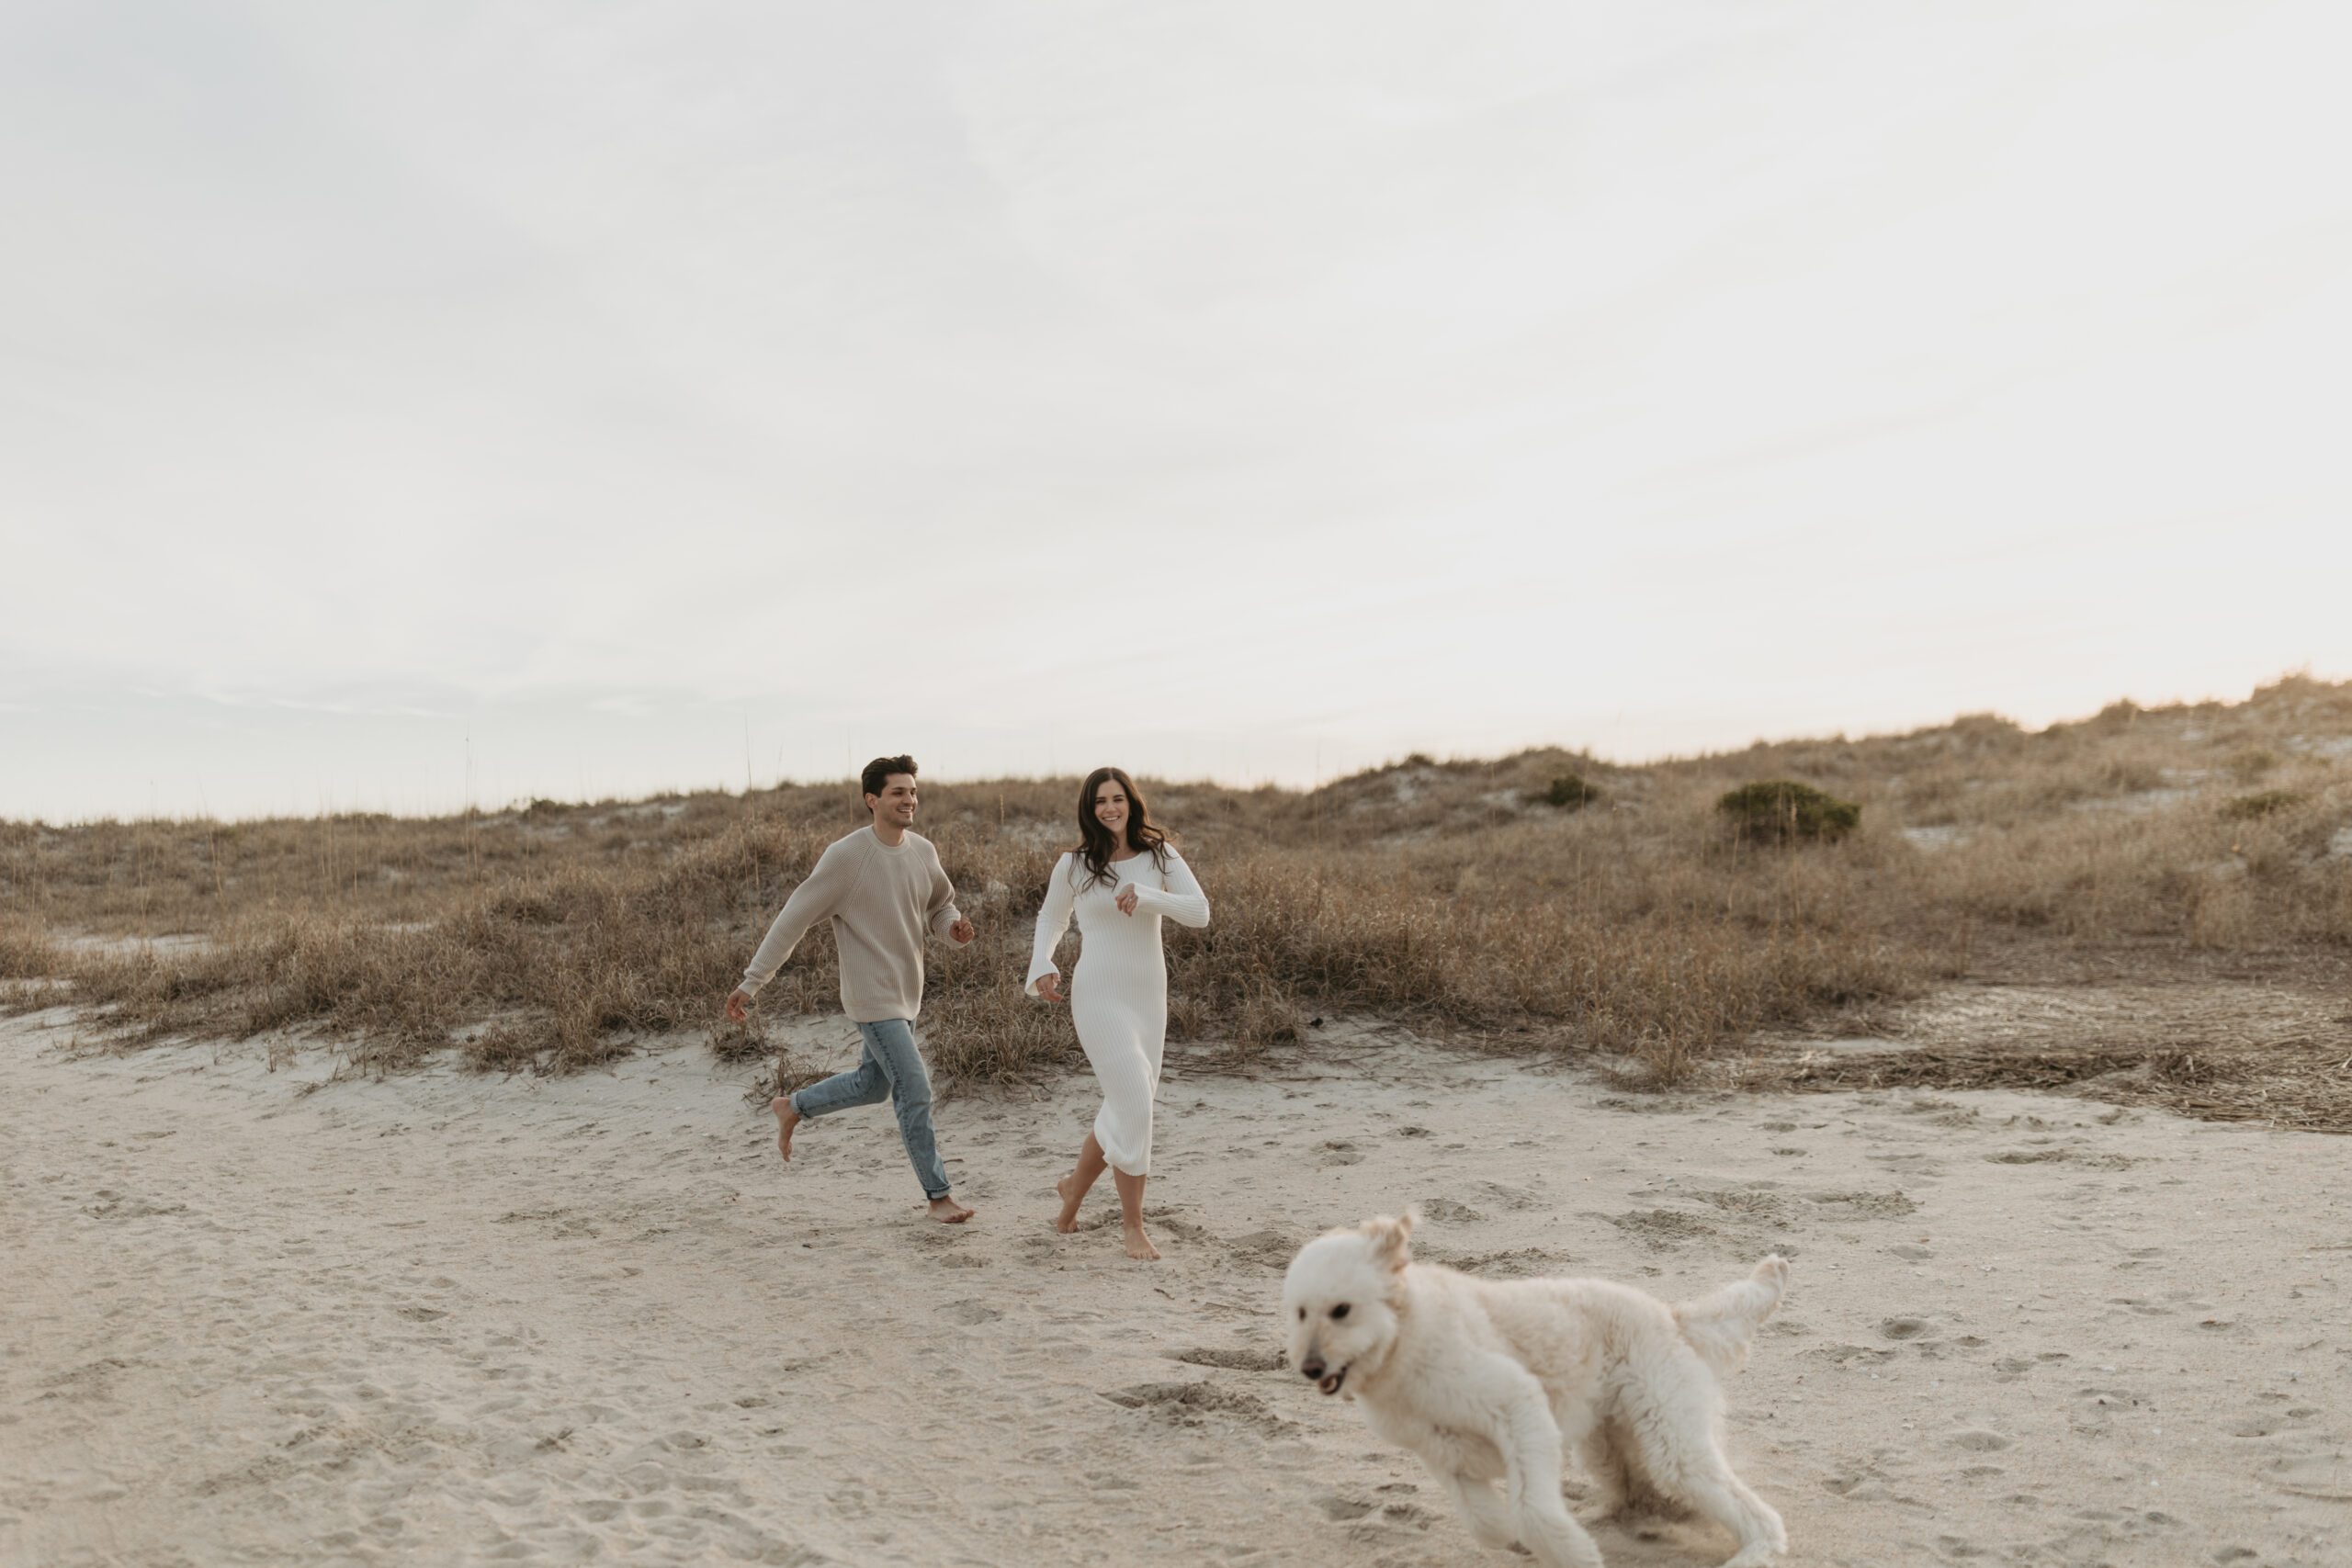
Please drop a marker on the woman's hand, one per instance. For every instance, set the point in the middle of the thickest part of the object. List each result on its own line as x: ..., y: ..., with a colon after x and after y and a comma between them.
x: 1049, y: 986
x: 1127, y: 899
x: 963, y: 931
x: 739, y: 1003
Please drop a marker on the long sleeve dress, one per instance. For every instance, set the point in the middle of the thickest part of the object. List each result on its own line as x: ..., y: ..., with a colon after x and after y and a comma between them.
x: 1118, y: 990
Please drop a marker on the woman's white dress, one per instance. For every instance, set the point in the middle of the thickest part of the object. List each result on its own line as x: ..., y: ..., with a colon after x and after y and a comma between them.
x: 1118, y: 990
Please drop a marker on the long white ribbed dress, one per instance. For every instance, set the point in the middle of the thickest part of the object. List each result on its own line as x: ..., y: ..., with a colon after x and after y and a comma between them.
x: 1118, y: 990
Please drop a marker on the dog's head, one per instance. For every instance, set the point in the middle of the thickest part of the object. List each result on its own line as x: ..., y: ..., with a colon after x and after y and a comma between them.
x: 1340, y: 1299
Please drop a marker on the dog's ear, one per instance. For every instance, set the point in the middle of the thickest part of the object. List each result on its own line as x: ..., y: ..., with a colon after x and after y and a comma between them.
x: 1390, y: 1236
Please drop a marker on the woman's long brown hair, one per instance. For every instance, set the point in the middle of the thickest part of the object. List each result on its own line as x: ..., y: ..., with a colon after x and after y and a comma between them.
x: 1095, y: 845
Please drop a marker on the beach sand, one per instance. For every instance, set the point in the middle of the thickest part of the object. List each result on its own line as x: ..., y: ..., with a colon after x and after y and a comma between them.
x: 273, y: 1316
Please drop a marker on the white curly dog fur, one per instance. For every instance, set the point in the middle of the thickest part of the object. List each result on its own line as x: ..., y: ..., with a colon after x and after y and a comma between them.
x: 1493, y: 1381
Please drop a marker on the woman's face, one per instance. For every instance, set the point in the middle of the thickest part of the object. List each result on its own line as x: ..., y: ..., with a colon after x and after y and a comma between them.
x: 1111, y: 808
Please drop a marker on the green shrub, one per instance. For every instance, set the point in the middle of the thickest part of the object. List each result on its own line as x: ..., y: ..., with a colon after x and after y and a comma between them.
x: 1569, y: 791
x: 1777, y: 811
x: 2252, y: 763
x: 2265, y: 803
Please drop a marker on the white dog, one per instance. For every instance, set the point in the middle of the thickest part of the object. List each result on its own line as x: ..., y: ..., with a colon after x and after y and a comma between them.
x: 1493, y: 1379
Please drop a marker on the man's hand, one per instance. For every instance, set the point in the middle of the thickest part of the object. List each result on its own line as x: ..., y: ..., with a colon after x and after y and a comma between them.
x: 1050, y: 987
x: 738, y: 1006
x: 963, y: 930
x: 1127, y: 899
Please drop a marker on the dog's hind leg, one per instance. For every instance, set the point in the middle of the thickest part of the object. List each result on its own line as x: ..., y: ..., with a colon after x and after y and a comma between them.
x: 1725, y: 1498
x: 1623, y: 1490
x: 1685, y: 1460
x: 1604, y: 1460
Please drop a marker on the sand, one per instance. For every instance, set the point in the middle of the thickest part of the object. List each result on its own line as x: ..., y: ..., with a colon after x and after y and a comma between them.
x: 273, y: 1316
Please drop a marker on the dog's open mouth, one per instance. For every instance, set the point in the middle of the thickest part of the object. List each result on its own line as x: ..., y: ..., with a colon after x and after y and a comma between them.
x: 1331, y: 1381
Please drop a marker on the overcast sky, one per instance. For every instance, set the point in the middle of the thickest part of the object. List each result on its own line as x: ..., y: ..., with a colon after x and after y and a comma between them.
x: 407, y: 404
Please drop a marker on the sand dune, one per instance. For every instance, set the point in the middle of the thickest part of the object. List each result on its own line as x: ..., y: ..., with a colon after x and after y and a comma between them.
x: 261, y: 1317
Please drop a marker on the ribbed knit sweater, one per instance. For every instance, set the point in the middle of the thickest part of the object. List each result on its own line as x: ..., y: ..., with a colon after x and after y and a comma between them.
x: 882, y: 901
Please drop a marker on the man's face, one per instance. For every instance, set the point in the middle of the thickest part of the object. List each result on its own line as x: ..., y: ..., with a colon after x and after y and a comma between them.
x: 897, y: 801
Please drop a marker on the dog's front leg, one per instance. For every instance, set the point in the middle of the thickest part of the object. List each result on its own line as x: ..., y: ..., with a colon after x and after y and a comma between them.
x: 1530, y: 1441
x: 1466, y: 1467
x: 1489, y: 1518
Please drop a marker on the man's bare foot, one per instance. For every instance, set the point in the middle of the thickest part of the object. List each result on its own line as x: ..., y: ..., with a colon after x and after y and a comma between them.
x: 1139, y: 1245
x: 1067, y: 1220
x: 948, y: 1211
x: 787, y: 1119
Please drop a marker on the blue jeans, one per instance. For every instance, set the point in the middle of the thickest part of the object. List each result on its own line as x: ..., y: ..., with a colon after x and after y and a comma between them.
x: 893, y: 1070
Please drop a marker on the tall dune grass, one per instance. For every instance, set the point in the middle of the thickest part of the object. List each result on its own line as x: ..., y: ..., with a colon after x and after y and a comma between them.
x: 1450, y: 894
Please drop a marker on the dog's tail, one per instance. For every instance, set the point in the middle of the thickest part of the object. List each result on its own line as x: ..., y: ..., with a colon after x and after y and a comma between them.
x: 1720, y: 1325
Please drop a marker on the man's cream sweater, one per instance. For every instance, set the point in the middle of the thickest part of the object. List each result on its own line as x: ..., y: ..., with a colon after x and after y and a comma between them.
x: 882, y: 899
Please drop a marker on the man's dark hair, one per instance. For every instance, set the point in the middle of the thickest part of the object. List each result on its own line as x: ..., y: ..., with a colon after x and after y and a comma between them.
x: 877, y: 776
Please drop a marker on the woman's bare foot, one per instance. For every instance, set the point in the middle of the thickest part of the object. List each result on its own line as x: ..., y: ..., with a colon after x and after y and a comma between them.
x: 1139, y: 1245
x: 948, y: 1211
x: 1072, y: 1196
x: 787, y: 1119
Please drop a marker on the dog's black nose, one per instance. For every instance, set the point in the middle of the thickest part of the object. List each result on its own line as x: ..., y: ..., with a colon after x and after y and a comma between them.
x: 1312, y: 1369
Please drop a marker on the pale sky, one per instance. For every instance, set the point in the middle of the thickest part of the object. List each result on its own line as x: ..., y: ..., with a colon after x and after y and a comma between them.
x: 405, y: 405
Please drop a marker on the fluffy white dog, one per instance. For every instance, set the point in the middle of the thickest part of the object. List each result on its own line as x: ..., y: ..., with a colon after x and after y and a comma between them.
x: 1493, y: 1379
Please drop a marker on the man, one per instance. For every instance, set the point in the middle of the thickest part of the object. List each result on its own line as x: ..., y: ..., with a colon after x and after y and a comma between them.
x: 883, y: 889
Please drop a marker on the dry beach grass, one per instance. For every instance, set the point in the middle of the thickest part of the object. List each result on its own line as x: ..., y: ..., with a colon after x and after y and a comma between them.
x: 2187, y: 845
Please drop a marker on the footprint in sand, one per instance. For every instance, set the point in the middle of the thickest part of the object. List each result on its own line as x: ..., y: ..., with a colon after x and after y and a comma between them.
x: 1265, y: 1249
x: 2097, y: 1409
x: 1512, y: 1198
x: 1370, y: 1519
x: 1193, y: 1403
x: 1338, y: 1151
x: 1980, y: 1439
x: 1341, y: 1510
x: 1235, y: 1359
x: 1511, y: 1263
x: 969, y: 1312
x: 1868, y: 1205
x: 1859, y: 1482
x: 1659, y: 1228
x: 1754, y: 1202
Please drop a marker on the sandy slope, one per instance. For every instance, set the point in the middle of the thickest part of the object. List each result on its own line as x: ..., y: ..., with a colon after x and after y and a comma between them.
x: 445, y: 1318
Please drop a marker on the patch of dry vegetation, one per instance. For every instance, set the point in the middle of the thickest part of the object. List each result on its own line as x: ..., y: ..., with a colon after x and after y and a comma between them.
x: 1457, y: 894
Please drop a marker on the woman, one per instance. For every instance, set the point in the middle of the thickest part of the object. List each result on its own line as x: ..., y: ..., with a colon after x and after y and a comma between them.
x: 1121, y: 879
